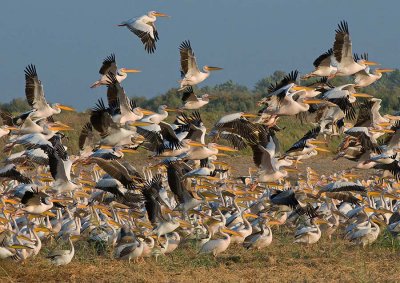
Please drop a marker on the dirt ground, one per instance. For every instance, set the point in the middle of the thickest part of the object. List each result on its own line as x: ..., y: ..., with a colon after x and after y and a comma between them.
x: 283, y: 261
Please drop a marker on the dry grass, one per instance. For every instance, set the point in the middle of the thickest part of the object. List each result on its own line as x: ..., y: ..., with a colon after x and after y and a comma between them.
x: 335, y: 260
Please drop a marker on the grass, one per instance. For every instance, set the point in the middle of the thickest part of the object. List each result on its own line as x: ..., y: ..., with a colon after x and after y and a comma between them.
x: 335, y: 260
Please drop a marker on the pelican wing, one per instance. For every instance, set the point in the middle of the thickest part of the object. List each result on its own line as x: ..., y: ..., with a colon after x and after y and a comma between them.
x: 116, y: 93
x: 115, y: 170
x: 188, y: 60
x: 324, y: 59
x: 10, y: 171
x: 147, y: 34
x: 188, y: 95
x: 86, y: 137
x: 34, y: 89
x: 342, y: 46
x: 109, y: 65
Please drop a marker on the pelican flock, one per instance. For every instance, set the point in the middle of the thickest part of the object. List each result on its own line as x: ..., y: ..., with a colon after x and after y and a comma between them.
x: 186, y: 192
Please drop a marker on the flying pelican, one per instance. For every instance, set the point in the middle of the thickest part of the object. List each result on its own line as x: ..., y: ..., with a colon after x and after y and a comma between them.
x: 145, y: 29
x: 109, y: 65
x: 191, y: 101
x: 36, y: 99
x: 342, y: 49
x: 190, y: 73
x: 323, y: 65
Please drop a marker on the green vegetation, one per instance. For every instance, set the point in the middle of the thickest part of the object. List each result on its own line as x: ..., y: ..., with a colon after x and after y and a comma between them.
x: 231, y: 97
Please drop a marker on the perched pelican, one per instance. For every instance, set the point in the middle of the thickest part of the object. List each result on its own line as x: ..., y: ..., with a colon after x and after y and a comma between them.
x: 145, y: 29
x: 309, y: 234
x: 190, y: 73
x: 217, y: 246
x: 110, y: 66
x: 62, y: 257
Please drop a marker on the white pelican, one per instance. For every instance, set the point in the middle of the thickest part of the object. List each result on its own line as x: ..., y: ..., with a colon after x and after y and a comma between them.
x: 262, y: 238
x: 109, y: 65
x: 309, y: 234
x: 145, y: 29
x: 191, y: 101
x: 342, y: 49
x: 36, y: 99
x: 190, y: 73
x: 323, y: 65
x: 217, y: 246
x: 365, y: 78
x: 62, y: 257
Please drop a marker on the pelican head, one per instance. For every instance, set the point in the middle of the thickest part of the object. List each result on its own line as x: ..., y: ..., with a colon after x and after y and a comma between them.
x: 209, y: 68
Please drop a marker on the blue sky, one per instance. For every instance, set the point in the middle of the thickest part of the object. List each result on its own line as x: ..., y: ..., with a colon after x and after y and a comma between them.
x: 67, y: 40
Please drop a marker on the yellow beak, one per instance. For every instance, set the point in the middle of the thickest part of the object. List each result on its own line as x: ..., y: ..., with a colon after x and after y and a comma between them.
x: 209, y: 68
x: 321, y: 149
x: 130, y: 70
x: 362, y: 95
x: 384, y: 70
x: 370, y: 63
x: 147, y: 112
x: 66, y: 108
x: 158, y: 14
x: 225, y: 148
x: 313, y: 101
x: 249, y: 115
x: 299, y: 87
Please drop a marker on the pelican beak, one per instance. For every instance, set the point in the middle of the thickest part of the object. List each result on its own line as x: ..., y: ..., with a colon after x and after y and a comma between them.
x: 147, y: 112
x: 381, y: 131
x: 158, y: 14
x: 55, y: 127
x: 11, y: 201
x: 225, y: 148
x: 120, y: 205
x: 209, y: 68
x: 12, y: 128
x: 250, y: 215
x: 299, y: 87
x: 321, y: 221
x: 384, y: 70
x: 130, y: 70
x: 292, y: 170
x: 317, y: 142
x: 139, y: 124
x: 232, y: 232
x: 19, y: 247
x: 370, y: 63
x: 221, y: 154
x: 391, y: 117
x: 75, y: 238
x: 385, y: 124
x: 42, y: 229
x: 49, y: 213
x: 172, y: 110
x: 321, y: 149
x: 314, y: 101
x: 197, y: 144
x: 274, y: 222
x: 362, y: 95
x: 81, y: 195
x: 66, y: 108
x: 184, y: 224
x: 249, y: 115
x: 25, y: 238
x: 128, y: 150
